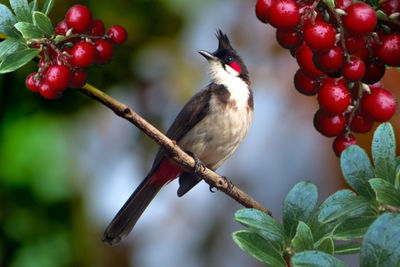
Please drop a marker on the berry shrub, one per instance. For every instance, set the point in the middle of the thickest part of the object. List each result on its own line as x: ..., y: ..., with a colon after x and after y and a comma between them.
x: 79, y: 42
x: 342, y: 48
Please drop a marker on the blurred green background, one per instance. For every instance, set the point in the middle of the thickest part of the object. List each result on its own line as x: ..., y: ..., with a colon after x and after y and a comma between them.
x: 66, y: 166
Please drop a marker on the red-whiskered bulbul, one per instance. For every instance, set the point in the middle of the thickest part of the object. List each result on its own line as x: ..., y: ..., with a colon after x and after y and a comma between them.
x: 210, y: 126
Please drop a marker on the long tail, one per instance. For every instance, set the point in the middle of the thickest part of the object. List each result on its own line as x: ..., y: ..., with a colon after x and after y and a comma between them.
x: 129, y: 214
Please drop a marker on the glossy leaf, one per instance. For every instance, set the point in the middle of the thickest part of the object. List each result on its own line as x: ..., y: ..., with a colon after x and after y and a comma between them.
x: 381, y: 244
x: 22, y: 10
x: 259, y: 248
x: 28, y: 30
x: 8, y: 47
x: 262, y: 223
x: 357, y: 170
x: 7, y: 21
x: 326, y: 245
x: 303, y: 239
x: 43, y: 23
x: 348, y: 248
x: 353, y: 228
x: 385, y: 192
x: 298, y: 206
x: 315, y: 259
x: 17, y: 60
x: 346, y: 207
x: 384, y: 152
x: 33, y: 5
x: 48, y: 5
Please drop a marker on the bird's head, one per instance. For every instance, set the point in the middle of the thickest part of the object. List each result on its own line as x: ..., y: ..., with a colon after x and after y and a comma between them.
x: 225, y: 61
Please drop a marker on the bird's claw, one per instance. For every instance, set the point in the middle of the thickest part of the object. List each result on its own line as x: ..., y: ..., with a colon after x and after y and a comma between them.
x: 198, y: 165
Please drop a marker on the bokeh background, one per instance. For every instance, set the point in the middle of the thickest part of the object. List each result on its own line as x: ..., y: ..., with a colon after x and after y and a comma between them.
x: 67, y: 166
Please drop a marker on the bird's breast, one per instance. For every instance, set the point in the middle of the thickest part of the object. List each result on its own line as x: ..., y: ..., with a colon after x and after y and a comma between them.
x: 219, y: 133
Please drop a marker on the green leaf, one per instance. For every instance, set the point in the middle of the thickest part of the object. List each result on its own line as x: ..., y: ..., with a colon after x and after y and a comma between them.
x: 28, y: 30
x: 384, y: 152
x: 381, y: 244
x: 48, y: 5
x: 8, y: 47
x: 33, y: 5
x: 315, y: 259
x: 346, y: 207
x: 298, y: 205
x: 43, y: 23
x: 397, y: 179
x: 353, y: 228
x: 17, y: 60
x: 329, y: 3
x: 348, y: 248
x: 357, y: 170
x: 259, y: 248
x: 303, y: 240
x: 325, y: 244
x: 7, y: 21
x: 261, y: 223
x: 22, y: 10
x: 385, y: 192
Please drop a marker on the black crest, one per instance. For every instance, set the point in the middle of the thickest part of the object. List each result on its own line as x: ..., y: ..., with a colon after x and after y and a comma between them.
x: 227, y: 54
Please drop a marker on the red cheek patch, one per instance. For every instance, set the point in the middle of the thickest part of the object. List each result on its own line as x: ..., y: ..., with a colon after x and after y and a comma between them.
x: 235, y: 66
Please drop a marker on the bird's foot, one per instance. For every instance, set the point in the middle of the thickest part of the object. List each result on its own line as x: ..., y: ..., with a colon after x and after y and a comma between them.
x: 198, y: 165
x: 229, y: 183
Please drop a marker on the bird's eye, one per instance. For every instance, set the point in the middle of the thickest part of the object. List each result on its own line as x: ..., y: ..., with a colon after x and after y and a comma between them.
x: 229, y: 59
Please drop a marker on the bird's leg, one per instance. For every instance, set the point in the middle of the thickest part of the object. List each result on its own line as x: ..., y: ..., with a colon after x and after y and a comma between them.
x: 198, y: 165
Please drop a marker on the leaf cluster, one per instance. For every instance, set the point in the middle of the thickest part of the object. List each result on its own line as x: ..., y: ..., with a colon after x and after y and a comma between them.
x: 22, y: 25
x: 365, y: 221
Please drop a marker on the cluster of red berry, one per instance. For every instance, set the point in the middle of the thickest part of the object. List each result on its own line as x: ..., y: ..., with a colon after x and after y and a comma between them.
x: 342, y: 49
x: 79, y: 42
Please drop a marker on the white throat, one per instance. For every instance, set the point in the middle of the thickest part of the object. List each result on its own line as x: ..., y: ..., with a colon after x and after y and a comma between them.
x: 238, y: 88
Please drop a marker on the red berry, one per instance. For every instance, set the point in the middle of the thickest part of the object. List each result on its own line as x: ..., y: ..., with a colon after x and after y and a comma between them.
x: 374, y: 72
x: 342, y: 4
x: 304, y: 57
x: 97, y: 28
x: 320, y: 37
x: 284, y: 14
x: 360, y: 19
x: 117, y: 34
x: 329, y: 125
x: 58, y: 77
x: 342, y: 142
x: 354, y: 44
x: 32, y: 83
x: 380, y: 105
x: 83, y: 54
x: 104, y: 51
x: 353, y: 70
x: 361, y: 123
x: 390, y: 6
x: 334, y: 98
x: 78, y: 79
x: 79, y: 17
x: 288, y: 39
x: 389, y: 51
x: 263, y: 8
x: 47, y: 91
x: 61, y: 28
x: 330, y: 61
x: 304, y: 83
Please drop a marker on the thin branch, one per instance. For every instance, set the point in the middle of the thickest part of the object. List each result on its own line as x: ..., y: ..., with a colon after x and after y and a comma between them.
x: 172, y: 149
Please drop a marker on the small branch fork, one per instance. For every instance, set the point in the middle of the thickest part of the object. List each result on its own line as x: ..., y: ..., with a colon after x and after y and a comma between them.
x: 172, y: 149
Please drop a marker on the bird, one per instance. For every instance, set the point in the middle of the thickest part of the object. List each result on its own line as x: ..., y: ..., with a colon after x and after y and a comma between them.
x: 210, y: 127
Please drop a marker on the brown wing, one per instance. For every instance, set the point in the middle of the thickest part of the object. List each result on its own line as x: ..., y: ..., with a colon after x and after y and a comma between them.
x: 193, y: 112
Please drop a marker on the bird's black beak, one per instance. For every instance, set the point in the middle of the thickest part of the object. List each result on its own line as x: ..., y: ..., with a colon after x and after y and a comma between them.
x: 207, y: 55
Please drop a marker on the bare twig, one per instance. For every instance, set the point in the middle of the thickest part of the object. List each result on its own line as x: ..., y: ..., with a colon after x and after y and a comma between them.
x: 173, y: 150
